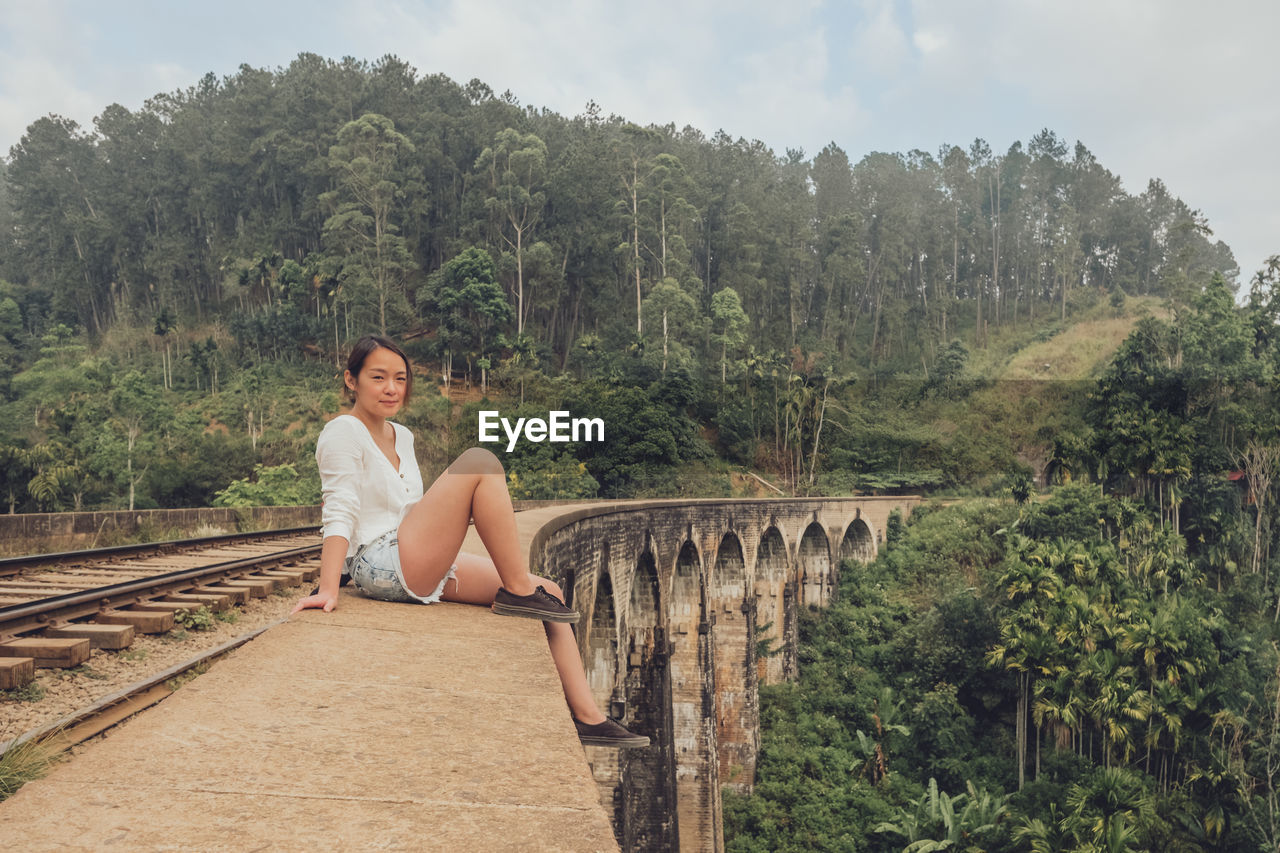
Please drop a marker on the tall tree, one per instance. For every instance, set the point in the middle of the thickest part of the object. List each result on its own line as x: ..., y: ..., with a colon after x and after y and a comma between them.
x: 516, y: 168
x: 632, y: 151
x: 729, y: 324
x: 361, y: 230
x: 126, y: 447
x: 673, y: 311
x: 469, y: 305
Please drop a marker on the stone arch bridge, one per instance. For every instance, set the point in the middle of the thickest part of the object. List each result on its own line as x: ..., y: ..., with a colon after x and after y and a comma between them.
x: 688, y: 606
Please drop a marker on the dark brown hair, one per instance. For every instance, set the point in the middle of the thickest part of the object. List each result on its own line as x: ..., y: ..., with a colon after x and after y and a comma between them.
x: 361, y: 351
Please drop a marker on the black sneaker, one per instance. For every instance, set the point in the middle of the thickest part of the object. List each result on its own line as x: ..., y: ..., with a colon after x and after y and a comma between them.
x: 540, y: 605
x: 609, y: 733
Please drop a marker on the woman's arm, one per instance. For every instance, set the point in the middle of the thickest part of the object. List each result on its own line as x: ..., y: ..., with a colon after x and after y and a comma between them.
x: 340, y: 461
x: 333, y: 553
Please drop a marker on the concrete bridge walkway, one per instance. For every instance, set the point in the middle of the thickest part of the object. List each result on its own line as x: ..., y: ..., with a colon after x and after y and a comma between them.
x: 376, y: 727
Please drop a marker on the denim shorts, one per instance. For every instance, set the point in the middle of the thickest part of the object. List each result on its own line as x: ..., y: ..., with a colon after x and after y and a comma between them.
x: 375, y: 569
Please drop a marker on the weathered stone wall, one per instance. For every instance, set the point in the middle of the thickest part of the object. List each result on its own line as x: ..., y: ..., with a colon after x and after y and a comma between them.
x: 50, y: 532
x: 675, y: 596
x: 42, y: 533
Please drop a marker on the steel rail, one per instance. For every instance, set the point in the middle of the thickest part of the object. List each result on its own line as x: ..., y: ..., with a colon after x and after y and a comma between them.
x: 21, y: 618
x: 14, y: 565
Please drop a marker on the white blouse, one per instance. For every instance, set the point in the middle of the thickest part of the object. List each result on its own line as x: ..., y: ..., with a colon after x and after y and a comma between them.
x: 364, y: 494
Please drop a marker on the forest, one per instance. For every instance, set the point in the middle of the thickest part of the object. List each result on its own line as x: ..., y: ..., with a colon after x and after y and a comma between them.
x: 218, y: 247
x: 1076, y: 650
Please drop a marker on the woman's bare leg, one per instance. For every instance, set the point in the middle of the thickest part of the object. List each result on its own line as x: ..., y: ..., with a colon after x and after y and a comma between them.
x: 473, y: 487
x: 477, y: 581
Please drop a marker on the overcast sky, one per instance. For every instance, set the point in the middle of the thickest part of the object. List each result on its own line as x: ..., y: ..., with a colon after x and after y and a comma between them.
x: 1174, y: 89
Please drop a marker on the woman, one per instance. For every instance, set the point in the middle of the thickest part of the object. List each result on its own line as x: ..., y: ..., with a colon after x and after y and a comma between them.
x: 402, y: 545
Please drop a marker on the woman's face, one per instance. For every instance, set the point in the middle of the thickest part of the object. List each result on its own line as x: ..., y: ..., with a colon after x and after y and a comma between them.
x: 380, y: 387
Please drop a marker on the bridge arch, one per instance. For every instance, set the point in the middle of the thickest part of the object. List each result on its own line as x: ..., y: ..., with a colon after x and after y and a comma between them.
x: 859, y: 542
x: 602, y: 643
x: 815, y: 566
x: 737, y: 701
x: 581, y: 586
x: 771, y: 581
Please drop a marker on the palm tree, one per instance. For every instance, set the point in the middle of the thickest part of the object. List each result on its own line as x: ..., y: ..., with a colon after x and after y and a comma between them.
x: 1107, y: 811
x: 1216, y: 785
x: 1115, y: 703
x: 1027, y: 648
x: 1043, y: 836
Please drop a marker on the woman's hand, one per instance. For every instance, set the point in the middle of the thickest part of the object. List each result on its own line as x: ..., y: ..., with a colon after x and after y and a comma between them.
x: 332, y: 553
x: 319, y: 600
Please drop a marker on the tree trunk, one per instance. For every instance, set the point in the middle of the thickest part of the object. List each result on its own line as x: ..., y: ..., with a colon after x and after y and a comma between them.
x: 1038, y: 733
x: 817, y: 434
x: 635, y: 238
x: 519, y: 281
x: 1020, y: 730
x: 664, y: 341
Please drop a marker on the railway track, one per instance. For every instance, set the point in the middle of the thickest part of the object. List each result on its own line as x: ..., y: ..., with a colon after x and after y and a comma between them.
x: 11, y: 566
x: 55, y: 608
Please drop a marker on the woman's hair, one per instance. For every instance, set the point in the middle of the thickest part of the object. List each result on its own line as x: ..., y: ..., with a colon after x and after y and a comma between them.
x: 361, y: 351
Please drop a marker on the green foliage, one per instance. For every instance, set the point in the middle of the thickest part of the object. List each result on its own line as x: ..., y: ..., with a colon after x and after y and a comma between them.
x: 1133, y: 675
x: 672, y: 323
x: 32, y: 691
x: 643, y: 438
x: 894, y: 527
x: 1074, y: 511
x: 277, y: 485
x: 765, y: 646
x: 136, y: 413
x: 936, y: 821
x: 1178, y: 398
x: 946, y: 377
x: 867, y: 716
x: 198, y: 467
x: 953, y: 545
x: 516, y: 166
x: 543, y: 478
x: 277, y: 332
x: 730, y: 323
x: 1108, y: 811
x: 1021, y: 485
x: 85, y: 670
x: 364, y: 250
x: 788, y: 288
x: 197, y: 619
x: 468, y: 304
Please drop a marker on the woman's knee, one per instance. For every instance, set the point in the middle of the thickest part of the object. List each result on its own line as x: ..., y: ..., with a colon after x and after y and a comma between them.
x: 550, y: 586
x: 477, y: 460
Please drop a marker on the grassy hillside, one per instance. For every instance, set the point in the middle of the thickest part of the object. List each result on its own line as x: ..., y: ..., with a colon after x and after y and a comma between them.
x: 1023, y: 389
x: 1081, y: 350
x: 1075, y: 349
